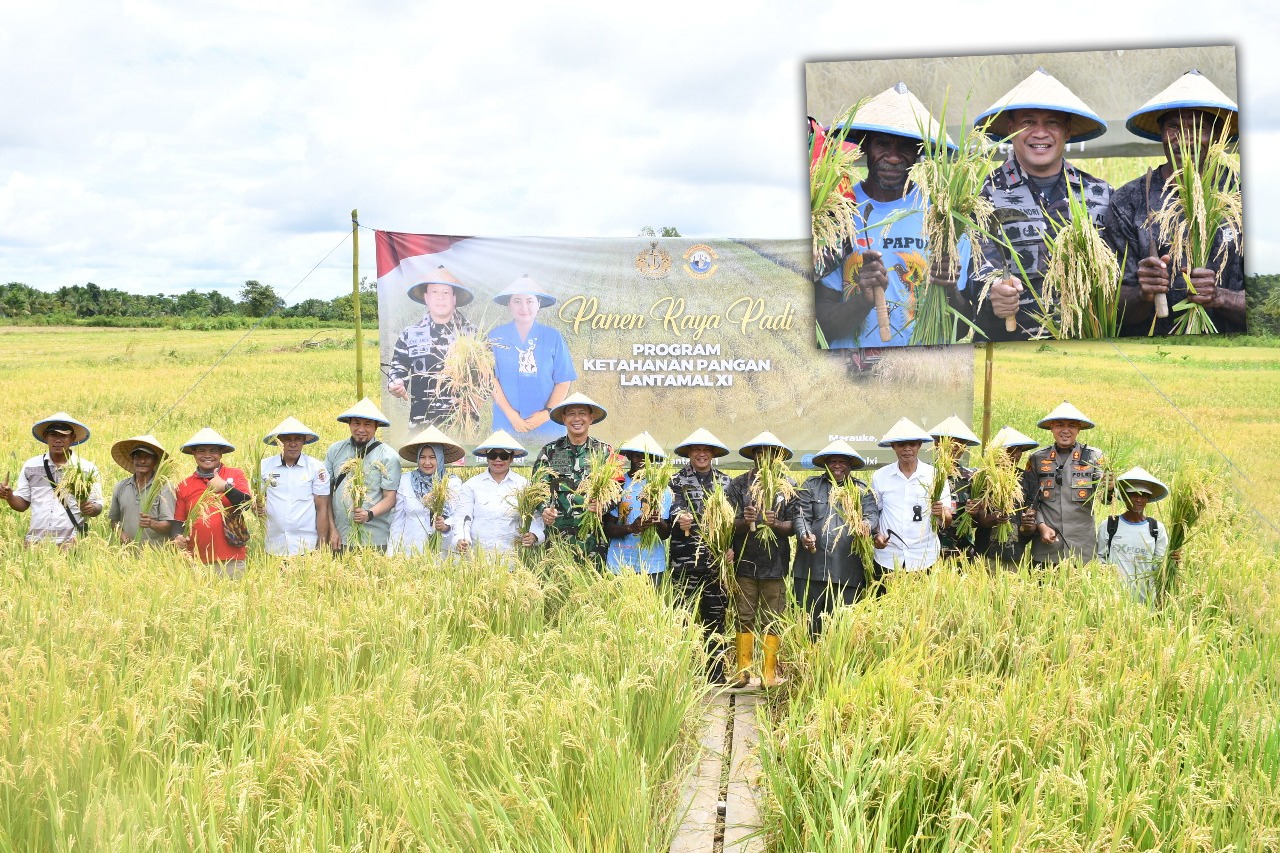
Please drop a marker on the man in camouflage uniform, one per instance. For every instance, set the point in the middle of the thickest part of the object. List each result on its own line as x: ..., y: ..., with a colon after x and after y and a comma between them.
x: 1191, y: 112
x: 694, y: 576
x: 564, y: 462
x: 1068, y: 476
x: 420, y: 350
x: 1030, y: 194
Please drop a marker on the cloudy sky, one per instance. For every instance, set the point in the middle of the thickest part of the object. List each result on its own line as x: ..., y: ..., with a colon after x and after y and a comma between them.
x: 159, y: 146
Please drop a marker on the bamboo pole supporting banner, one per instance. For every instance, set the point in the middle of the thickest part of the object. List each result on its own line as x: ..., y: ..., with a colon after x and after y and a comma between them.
x: 355, y: 302
x: 986, y: 394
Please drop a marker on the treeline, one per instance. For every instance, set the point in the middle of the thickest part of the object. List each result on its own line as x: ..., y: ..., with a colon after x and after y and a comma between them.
x: 91, y: 305
x: 1263, y: 296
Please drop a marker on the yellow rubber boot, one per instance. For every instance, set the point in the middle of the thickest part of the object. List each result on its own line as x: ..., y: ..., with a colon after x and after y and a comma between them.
x: 746, y: 643
x: 771, y: 645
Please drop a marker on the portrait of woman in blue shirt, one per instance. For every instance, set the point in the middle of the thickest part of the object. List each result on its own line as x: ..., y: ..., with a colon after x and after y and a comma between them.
x: 532, y: 364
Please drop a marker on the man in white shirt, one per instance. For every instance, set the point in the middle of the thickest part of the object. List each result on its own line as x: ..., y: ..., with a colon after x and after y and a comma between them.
x: 296, y: 489
x: 487, y: 503
x: 906, y: 538
x: 56, y: 516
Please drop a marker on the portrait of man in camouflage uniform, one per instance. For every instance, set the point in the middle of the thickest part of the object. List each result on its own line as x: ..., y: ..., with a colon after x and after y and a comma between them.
x: 419, y: 353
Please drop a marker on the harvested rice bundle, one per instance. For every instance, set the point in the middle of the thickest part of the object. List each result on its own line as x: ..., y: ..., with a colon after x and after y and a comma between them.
x: 355, y: 489
x: 715, y: 534
x: 467, y: 376
x: 770, y: 489
x: 600, y: 488
x: 656, y: 475
x: 944, y: 468
x: 1081, y: 287
x: 435, y: 500
x: 1204, y: 196
x: 164, y: 475
x: 530, y: 499
x: 831, y: 180
x: 846, y: 500
x: 996, y: 487
x: 75, y: 483
x: 1193, y: 490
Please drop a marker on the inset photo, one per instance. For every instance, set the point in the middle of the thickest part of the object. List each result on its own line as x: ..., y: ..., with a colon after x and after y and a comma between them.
x: 1074, y: 195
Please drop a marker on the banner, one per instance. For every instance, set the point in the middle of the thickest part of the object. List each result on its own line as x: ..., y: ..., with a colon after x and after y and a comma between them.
x: 668, y: 335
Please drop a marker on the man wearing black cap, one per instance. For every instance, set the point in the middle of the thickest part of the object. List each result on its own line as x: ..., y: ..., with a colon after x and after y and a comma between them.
x: 41, y: 486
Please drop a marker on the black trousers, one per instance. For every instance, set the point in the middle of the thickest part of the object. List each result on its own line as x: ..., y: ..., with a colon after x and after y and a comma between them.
x: 704, y: 595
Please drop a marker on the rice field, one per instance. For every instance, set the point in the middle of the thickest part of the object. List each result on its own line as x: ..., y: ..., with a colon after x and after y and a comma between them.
x: 971, y: 711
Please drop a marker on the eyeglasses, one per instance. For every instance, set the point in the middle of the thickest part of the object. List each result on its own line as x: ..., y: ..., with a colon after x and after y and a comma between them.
x: 501, y: 455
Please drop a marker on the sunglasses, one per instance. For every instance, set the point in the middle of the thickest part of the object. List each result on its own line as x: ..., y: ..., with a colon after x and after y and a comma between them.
x: 501, y: 455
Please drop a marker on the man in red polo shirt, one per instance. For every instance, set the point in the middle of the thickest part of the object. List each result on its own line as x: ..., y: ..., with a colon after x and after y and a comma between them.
x: 212, y: 492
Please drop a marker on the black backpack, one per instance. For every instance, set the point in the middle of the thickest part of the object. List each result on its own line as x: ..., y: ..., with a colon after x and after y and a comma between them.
x: 1113, y: 524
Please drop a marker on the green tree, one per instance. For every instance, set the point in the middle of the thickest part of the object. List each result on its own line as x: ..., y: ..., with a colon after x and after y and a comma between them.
x: 259, y: 300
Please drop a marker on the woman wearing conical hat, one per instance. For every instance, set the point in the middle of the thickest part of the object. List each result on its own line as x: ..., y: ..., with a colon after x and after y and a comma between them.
x: 487, y: 503
x: 56, y: 516
x: 419, y: 353
x: 413, y: 524
x: 532, y: 365
x: 625, y: 524
x: 1188, y: 116
x: 1030, y: 194
x: 867, y: 300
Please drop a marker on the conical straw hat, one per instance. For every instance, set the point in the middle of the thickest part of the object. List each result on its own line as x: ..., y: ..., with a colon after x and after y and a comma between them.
x: 643, y: 443
x: 525, y: 286
x: 839, y: 447
x: 1010, y: 438
x: 763, y: 440
x: 438, y: 275
x: 501, y: 440
x: 905, y: 430
x: 364, y: 409
x: 79, y: 432
x: 955, y: 428
x: 209, y: 437
x: 702, y: 437
x: 1137, y: 476
x: 1066, y: 412
x: 430, y: 435
x: 895, y: 111
x: 290, y: 426
x: 1043, y: 91
x: 1192, y: 91
x: 123, y: 449
x: 598, y: 412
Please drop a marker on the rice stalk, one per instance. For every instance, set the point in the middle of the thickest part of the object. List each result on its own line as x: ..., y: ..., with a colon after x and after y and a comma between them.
x: 846, y: 500
x: 435, y: 500
x: 996, y: 486
x: 945, y: 468
x: 258, y: 451
x: 601, y: 488
x: 75, y: 482
x: 1081, y: 285
x: 530, y: 499
x: 163, y: 475
x: 770, y: 489
x: 656, y: 475
x: 831, y: 181
x: 356, y: 491
x: 1203, y: 199
x: 467, y: 376
x: 1192, y: 491
x: 715, y: 534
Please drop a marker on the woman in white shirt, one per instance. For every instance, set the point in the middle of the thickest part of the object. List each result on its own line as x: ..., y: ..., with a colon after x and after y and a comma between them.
x: 487, y: 505
x: 412, y: 523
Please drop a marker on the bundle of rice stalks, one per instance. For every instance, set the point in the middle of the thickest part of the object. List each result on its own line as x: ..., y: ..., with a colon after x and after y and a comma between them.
x: 435, y: 500
x: 1080, y: 295
x: 831, y: 180
x: 951, y: 185
x: 997, y: 487
x: 1204, y: 198
x: 770, y: 489
x: 945, y: 469
x: 467, y: 376
x: 530, y: 499
x: 656, y: 476
x: 715, y: 533
x: 258, y: 451
x: 164, y: 475
x: 846, y: 500
x: 355, y: 490
x: 75, y: 483
x: 600, y: 488
x: 1192, y: 491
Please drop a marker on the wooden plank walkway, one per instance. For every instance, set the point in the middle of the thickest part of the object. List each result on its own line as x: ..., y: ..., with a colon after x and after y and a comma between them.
x: 721, y: 812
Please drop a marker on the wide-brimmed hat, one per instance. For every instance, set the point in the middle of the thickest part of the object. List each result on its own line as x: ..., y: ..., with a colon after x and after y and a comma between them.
x: 897, y: 112
x: 904, y: 430
x: 1010, y: 439
x: 598, y: 412
x: 439, y: 275
x: 431, y: 435
x: 525, y: 286
x: 1043, y: 91
x: 839, y: 447
x: 79, y: 432
x: 1191, y: 91
x: 955, y: 428
x: 364, y: 409
x: 761, y: 441
x: 1136, y: 479
x: 1066, y: 412
x: 702, y: 437
x: 207, y: 436
x: 501, y: 440
x: 290, y: 426
x: 643, y: 444
x: 123, y: 449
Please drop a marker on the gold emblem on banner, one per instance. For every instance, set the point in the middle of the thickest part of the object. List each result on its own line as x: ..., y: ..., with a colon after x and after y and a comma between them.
x: 653, y: 262
x: 700, y: 261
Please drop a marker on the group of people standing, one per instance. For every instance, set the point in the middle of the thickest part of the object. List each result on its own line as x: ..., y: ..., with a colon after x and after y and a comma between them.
x: 1032, y: 193
x: 359, y: 497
